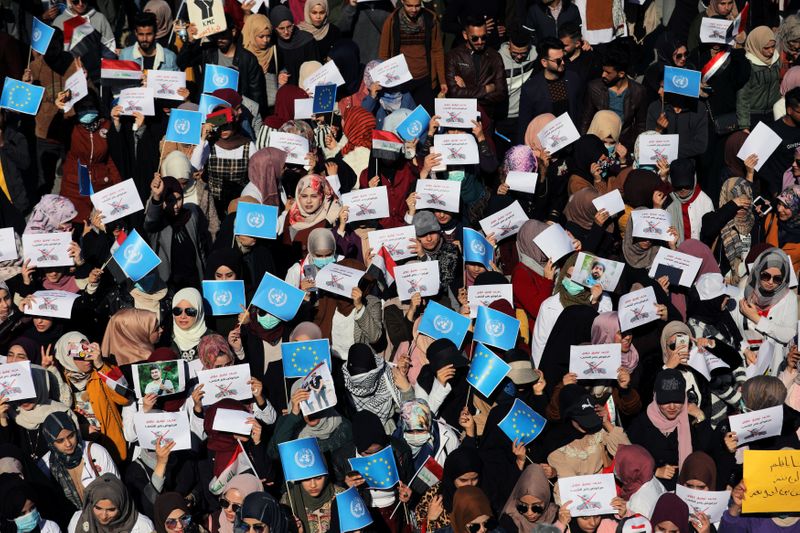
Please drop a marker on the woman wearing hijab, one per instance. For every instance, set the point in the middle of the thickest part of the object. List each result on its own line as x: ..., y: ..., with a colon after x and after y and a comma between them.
x: 321, y: 252
x: 671, y: 514
x: 231, y: 500
x: 533, y: 277
x: 552, y: 169
x: 442, y: 382
x: 44, y: 331
x: 71, y: 462
x: 699, y: 472
x: 24, y: 349
x: 689, y: 204
x: 257, y: 39
x: 472, y: 512
x: 635, y: 469
x: 316, y: 22
x: 283, y: 113
x: 671, y: 52
x: 312, y: 501
x: 226, y: 264
x: 357, y: 125
x: 521, y: 158
x: 716, y: 9
x: 130, y: 336
x: 53, y: 213
x: 261, y: 509
x: 590, y: 165
x: 264, y: 170
x: 462, y: 468
x: 593, y: 228
x: 172, y: 514
x: 607, y: 126
x: 426, y: 436
x: 530, y: 502
x: 314, y: 207
x: 383, y: 101
x: 188, y: 323
x: 640, y: 253
x: 107, y: 508
x: 293, y: 45
x: 754, y: 101
x: 783, y: 224
x: 18, y: 510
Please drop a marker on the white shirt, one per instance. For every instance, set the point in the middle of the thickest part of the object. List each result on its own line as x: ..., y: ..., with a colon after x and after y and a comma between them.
x: 142, y: 525
x: 103, y: 464
x: 549, y: 312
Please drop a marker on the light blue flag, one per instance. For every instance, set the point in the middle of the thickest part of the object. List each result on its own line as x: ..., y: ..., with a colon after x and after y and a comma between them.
x: 486, y: 371
x: 682, y: 81
x: 21, y: 97
x: 324, y: 99
x: 277, y: 297
x: 477, y: 249
x: 379, y: 470
x: 495, y: 328
x: 224, y: 297
x: 41, y: 34
x: 414, y: 125
x: 185, y: 126
x: 84, y: 180
x: 522, y: 423
x: 135, y: 257
x: 208, y: 103
x: 301, y: 459
x: 353, y: 513
x: 217, y: 77
x: 256, y: 220
x: 440, y: 322
x: 300, y: 358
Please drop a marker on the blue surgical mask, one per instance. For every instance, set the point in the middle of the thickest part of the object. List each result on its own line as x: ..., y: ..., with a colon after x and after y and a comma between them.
x: 611, y: 150
x: 320, y: 262
x: 573, y: 288
x: 88, y: 117
x: 268, y: 321
x: 27, y: 522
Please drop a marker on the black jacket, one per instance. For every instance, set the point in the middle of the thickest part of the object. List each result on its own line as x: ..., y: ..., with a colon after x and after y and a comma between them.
x: 460, y: 62
x: 634, y: 109
x: 540, y: 21
x: 535, y: 100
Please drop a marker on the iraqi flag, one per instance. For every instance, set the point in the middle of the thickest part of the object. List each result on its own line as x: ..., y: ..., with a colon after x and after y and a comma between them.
x: 383, y: 263
x: 75, y: 29
x: 385, y: 144
x: 714, y: 65
x: 238, y: 464
x: 115, y: 380
x: 739, y: 23
x: 428, y: 475
x: 120, y: 69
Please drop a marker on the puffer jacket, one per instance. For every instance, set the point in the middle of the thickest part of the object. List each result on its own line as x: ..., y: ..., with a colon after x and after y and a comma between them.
x: 760, y: 92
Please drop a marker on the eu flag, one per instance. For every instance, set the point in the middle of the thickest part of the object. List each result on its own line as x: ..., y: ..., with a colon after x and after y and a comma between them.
x: 379, y: 470
x: 477, y: 249
x: 135, y: 257
x: 324, y: 98
x: 415, y: 125
x: 495, y: 328
x: 84, y: 180
x: 277, y: 297
x: 353, y: 513
x: 41, y: 34
x: 486, y: 371
x: 301, y: 459
x: 682, y: 81
x: 256, y: 220
x: 185, y: 126
x: 300, y: 358
x: 21, y: 97
x: 208, y: 103
x: 440, y: 322
x: 522, y: 423
x: 217, y: 77
x: 224, y: 297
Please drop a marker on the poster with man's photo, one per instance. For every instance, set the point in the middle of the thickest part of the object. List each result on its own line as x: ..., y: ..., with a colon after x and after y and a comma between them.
x: 319, y: 384
x: 161, y: 378
x: 591, y: 270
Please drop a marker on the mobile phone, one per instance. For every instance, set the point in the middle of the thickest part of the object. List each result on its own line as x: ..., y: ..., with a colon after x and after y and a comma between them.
x: 763, y: 204
x: 310, y: 272
x: 681, y: 339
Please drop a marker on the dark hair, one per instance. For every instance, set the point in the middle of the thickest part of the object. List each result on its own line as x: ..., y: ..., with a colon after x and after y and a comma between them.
x: 144, y: 20
x: 547, y: 44
x: 793, y: 97
x: 617, y: 57
x: 520, y: 37
x: 473, y: 21
x: 571, y: 30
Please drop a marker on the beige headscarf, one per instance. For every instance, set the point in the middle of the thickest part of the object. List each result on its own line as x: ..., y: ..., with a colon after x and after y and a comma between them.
x: 534, y: 127
x: 305, y: 25
x: 605, y: 124
x: 757, y: 39
x: 160, y: 8
x: 253, y: 25
x: 127, y: 336
x: 711, y: 10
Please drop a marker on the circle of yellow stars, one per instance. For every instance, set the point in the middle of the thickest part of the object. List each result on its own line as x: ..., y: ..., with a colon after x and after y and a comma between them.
x: 518, y: 415
x: 375, y: 481
x: 19, y: 104
x: 484, y: 368
x: 301, y: 350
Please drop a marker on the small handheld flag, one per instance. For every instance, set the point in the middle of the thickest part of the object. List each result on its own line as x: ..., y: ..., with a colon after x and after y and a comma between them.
x: 185, y: 126
x: 353, y: 512
x: 300, y: 358
x: 75, y: 29
x: 217, y: 77
x: 386, y: 144
x: 682, y: 81
x: 41, y: 35
x: 224, y: 297
x: 495, y: 328
x: 379, y: 469
x: 324, y: 98
x: 440, y: 322
x: 120, y: 69
x: 486, y: 371
x: 256, y: 220
x: 277, y: 297
x: 208, y: 103
x: 384, y: 264
x: 84, y: 180
x: 477, y: 249
x: 415, y: 125
x: 135, y: 257
x: 21, y: 97
x: 428, y: 475
x: 522, y: 423
x: 301, y: 459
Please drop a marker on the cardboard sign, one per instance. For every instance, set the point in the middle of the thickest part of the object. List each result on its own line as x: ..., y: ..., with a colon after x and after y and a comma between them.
x: 304, y: 108
x: 595, y: 361
x: 207, y: 15
x: 367, y: 204
x: 415, y: 278
x: 590, y: 270
x: 338, y: 279
x: 440, y: 195
x: 166, y: 426
x: 505, y: 222
x: 397, y: 241
x: 47, y: 249
x: 117, y: 201
x: 325, y: 75
x: 771, y: 479
x: 227, y: 382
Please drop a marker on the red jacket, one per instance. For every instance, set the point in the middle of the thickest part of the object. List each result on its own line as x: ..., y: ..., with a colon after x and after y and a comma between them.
x: 530, y: 290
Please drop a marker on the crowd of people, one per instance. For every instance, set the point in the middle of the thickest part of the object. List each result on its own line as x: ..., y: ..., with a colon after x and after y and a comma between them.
x: 71, y: 458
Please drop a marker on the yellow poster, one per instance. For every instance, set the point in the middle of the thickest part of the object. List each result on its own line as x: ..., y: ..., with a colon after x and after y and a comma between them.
x: 772, y: 481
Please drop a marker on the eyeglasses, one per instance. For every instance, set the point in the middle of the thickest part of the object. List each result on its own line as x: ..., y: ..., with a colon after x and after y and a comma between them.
x: 557, y: 61
x: 476, y: 38
x: 486, y: 525
x: 225, y: 504
x: 190, y: 311
x: 172, y: 523
x: 523, y: 508
x: 776, y: 279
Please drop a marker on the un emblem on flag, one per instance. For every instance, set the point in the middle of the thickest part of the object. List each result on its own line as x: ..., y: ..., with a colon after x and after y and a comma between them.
x: 277, y: 297
x: 222, y: 298
x: 415, y: 128
x: 681, y: 82
x: 37, y: 34
x: 495, y: 328
x: 304, y: 458
x: 132, y: 255
x: 357, y: 508
x: 255, y: 220
x: 478, y: 247
x: 182, y: 126
x: 220, y: 80
x: 443, y: 324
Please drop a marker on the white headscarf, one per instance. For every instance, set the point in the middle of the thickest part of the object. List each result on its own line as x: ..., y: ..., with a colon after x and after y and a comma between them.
x: 187, y: 339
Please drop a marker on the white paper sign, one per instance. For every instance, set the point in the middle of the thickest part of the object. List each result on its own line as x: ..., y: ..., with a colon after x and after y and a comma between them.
x: 559, y: 133
x: 415, y: 278
x: 757, y: 425
x: 714, y: 30
x: 652, y: 224
x: 505, y: 222
x: 303, y: 108
x: 655, y: 147
x: 117, y: 201
x: 689, y: 265
x: 456, y: 112
x: 595, y: 361
x: 165, y: 83
x: 590, y: 270
x: 762, y: 141
x: 47, y: 249
x: 56, y: 304
x: 338, y: 279
x: 207, y: 15
x: 712, y: 503
x: 554, y: 242
x: 764, y: 361
x: 137, y: 100
x: 325, y: 75
x: 169, y: 427
x: 16, y: 381
x: 484, y: 295
x: 392, y: 72
x: 335, y: 184
x: 78, y: 86
x: 457, y: 148
x: 226, y: 382
x: 295, y: 146
x: 590, y: 495
x: 397, y: 241
x: 319, y: 384
x: 8, y: 245
x: 611, y: 202
x: 232, y: 421
x: 704, y: 361
x: 522, y: 181
x: 637, y: 308
x: 441, y: 195
x: 367, y: 204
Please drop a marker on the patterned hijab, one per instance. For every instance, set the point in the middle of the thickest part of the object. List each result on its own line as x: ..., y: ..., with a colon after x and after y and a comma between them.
x: 742, y: 224
x: 357, y: 124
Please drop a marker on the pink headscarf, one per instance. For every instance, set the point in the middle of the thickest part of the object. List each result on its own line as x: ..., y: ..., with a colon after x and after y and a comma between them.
x: 633, y: 466
x: 790, y: 80
x: 709, y: 265
x: 536, y: 125
x: 246, y: 484
x: 264, y: 170
x: 604, y: 330
x: 667, y: 426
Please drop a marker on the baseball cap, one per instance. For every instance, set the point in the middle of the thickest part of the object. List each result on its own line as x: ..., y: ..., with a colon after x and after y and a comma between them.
x: 670, y: 387
x: 425, y: 222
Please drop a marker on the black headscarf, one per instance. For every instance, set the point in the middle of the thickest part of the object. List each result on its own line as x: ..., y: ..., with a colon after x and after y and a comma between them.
x: 264, y: 508
x: 462, y: 460
x: 165, y: 504
x: 345, y: 54
x: 368, y: 430
x: 441, y: 353
x: 172, y: 187
x: 588, y: 150
x: 14, y: 492
x: 710, y: 312
x: 229, y: 257
x: 499, y: 473
x: 61, y: 463
x: 573, y: 327
x: 639, y: 188
x: 299, y: 38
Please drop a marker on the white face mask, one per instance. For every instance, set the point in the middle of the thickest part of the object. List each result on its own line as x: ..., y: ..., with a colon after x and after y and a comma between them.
x: 416, y: 441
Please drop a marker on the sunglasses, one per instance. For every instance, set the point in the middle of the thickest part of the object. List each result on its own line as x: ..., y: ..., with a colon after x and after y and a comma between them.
x: 224, y: 503
x: 172, y: 523
x: 680, y: 55
x: 797, y: 162
x: 487, y: 525
x: 776, y: 279
x: 523, y: 508
x: 257, y: 528
x: 476, y: 38
x: 190, y: 311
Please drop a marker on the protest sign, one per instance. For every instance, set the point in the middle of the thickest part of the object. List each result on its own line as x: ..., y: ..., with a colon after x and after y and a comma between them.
x: 47, y: 249
x: 166, y: 426
x: 772, y: 481
x: 367, y: 204
x: 590, y: 495
x: 226, y: 382
x: 637, y: 308
x: 117, y: 201
x: 338, y: 279
x: 504, y: 223
x: 441, y: 195
x: 595, y: 361
x: 590, y: 270
x: 414, y: 278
